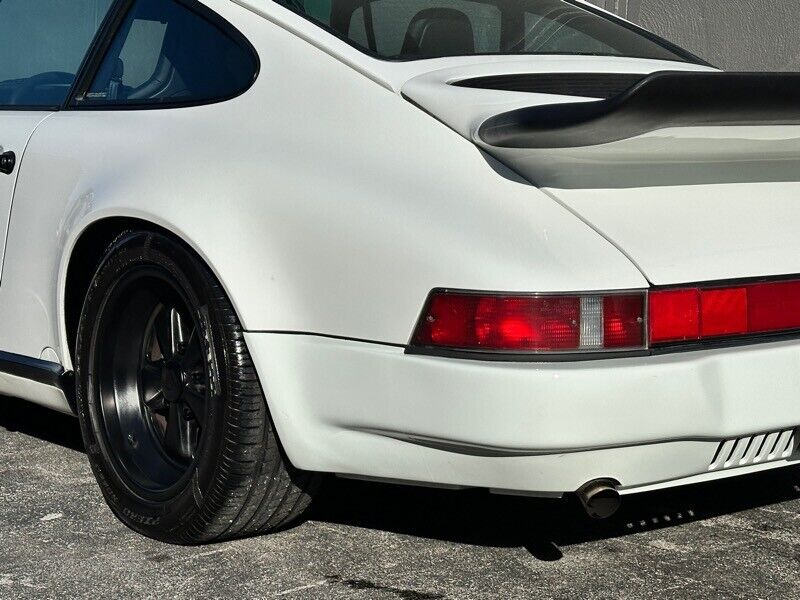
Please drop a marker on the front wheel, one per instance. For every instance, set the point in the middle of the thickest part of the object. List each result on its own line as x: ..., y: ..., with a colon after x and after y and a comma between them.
x: 172, y: 413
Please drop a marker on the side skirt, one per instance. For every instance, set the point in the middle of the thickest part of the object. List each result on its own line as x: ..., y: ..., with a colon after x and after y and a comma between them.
x: 39, y: 381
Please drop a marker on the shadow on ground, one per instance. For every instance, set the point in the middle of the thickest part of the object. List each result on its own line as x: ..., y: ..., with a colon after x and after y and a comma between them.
x: 476, y: 517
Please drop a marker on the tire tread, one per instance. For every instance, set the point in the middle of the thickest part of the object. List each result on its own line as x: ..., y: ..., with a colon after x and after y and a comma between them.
x: 255, y: 489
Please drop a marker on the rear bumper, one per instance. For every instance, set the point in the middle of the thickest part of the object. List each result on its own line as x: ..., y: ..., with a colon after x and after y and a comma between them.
x: 541, y: 428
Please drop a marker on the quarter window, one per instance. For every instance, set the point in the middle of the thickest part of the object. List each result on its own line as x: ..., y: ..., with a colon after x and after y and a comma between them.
x: 166, y: 52
x: 42, y: 45
x: 418, y: 29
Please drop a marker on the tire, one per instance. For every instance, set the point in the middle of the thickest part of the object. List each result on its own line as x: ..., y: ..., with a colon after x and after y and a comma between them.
x: 173, y: 417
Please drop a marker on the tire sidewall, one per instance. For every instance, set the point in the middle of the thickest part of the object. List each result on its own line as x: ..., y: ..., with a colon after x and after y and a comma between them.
x: 168, y: 518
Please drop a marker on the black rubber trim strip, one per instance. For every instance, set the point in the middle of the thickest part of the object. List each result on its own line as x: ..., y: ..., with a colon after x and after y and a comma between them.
x: 100, y: 43
x: 33, y: 369
x: 665, y: 99
x: 509, y: 357
x: 587, y: 85
x: 516, y: 357
x: 666, y: 349
x: 330, y: 337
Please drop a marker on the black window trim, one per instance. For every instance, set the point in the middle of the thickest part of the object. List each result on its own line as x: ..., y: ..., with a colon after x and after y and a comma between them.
x: 108, y: 33
x: 104, y: 37
x: 682, y: 53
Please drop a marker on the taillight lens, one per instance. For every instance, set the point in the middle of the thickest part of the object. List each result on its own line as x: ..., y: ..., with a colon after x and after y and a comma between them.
x: 527, y: 323
x: 700, y: 313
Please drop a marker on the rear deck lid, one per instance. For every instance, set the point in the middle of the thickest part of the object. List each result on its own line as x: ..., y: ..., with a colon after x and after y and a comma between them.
x: 694, y: 176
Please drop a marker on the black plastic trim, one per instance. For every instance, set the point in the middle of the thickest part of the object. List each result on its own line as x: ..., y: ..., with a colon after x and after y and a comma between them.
x: 666, y: 349
x: 587, y: 85
x: 665, y: 99
x: 33, y: 369
x: 97, y: 50
x: 728, y: 282
x: 725, y: 342
x: 487, y: 356
x: 8, y: 108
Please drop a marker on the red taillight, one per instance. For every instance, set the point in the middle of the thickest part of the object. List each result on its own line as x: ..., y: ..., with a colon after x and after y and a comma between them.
x: 674, y: 315
x: 514, y: 323
x: 773, y: 306
x: 564, y: 323
x: 623, y: 321
x: 723, y: 312
x: 698, y: 313
x: 526, y: 323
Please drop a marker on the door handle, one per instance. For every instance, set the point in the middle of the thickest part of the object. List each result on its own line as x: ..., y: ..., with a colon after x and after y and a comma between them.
x: 7, y: 162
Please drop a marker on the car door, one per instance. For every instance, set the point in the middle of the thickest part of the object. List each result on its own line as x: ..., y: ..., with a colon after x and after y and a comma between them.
x: 42, y: 45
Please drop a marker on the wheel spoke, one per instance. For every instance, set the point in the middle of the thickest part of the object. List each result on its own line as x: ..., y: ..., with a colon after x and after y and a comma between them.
x: 162, y: 329
x: 151, y: 384
x: 157, y: 402
x: 175, y: 331
x: 178, y: 435
x: 193, y: 354
x: 196, y: 401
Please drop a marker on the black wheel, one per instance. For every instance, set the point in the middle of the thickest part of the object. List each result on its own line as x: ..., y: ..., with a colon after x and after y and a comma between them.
x: 172, y: 413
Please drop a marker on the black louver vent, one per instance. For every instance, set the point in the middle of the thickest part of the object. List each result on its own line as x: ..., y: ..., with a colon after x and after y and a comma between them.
x: 589, y: 85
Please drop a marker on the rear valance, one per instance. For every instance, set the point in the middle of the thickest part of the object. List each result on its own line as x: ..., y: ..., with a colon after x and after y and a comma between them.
x: 662, y: 100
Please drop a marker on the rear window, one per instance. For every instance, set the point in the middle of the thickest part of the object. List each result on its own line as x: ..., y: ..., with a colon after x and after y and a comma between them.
x: 416, y: 29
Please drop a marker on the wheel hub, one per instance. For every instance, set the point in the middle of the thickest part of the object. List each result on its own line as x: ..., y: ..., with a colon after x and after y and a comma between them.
x: 153, y: 382
x: 173, y: 382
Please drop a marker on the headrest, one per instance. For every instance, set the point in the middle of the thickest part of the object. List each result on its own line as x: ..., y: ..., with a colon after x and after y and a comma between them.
x: 439, y: 32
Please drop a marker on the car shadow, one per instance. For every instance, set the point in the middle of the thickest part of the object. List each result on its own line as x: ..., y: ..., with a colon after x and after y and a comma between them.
x: 39, y: 422
x: 475, y: 517
x: 542, y: 526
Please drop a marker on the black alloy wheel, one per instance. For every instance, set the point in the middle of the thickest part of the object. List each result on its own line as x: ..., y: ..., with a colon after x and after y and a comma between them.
x: 174, y: 420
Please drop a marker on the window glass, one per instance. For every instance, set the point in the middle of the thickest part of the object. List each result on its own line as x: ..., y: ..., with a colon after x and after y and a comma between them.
x: 394, y: 30
x: 357, y: 31
x: 166, y: 53
x: 415, y: 29
x: 42, y: 45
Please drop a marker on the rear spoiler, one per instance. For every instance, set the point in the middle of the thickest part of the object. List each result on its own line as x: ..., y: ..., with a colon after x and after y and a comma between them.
x: 662, y: 100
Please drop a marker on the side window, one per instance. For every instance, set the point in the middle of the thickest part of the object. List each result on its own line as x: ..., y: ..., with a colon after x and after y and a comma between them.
x: 472, y: 27
x: 554, y: 36
x: 42, y: 45
x: 167, y: 53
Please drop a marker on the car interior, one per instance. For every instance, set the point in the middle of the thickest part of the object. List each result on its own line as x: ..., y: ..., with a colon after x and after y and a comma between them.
x: 164, y: 52
x: 417, y: 29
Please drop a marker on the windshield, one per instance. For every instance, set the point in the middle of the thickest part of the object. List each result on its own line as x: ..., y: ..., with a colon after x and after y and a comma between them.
x: 416, y: 29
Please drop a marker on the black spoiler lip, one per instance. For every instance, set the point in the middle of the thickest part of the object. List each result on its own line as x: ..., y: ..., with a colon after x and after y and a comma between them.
x: 664, y: 99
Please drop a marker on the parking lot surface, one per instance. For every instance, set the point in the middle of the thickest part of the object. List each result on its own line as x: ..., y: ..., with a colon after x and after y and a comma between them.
x: 735, y: 539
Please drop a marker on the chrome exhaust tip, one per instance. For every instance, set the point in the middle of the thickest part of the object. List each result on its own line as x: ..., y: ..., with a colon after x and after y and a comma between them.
x: 600, y: 498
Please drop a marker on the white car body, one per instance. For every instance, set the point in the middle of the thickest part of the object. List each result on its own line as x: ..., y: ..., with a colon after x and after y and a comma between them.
x: 329, y: 206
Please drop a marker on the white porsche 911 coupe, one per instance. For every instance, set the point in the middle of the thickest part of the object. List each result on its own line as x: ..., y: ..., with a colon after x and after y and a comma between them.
x: 519, y: 245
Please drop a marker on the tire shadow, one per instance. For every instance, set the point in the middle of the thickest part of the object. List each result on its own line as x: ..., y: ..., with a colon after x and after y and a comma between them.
x: 476, y: 517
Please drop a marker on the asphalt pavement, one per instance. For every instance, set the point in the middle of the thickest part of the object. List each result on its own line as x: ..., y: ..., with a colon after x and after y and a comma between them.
x: 733, y: 539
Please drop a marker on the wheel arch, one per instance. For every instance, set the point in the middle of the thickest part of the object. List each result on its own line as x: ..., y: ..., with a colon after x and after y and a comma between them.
x: 85, y: 255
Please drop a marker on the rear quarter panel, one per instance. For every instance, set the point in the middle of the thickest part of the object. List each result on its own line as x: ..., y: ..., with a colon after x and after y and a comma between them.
x: 323, y: 201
